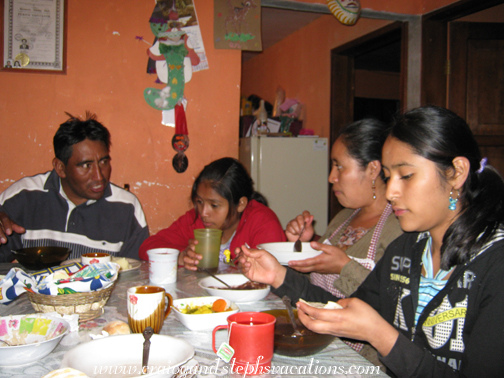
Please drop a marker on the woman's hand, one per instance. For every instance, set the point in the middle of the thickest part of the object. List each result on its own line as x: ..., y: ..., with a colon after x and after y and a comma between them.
x: 189, y: 258
x: 357, y: 320
x: 295, y: 226
x: 260, y: 266
x: 331, y: 260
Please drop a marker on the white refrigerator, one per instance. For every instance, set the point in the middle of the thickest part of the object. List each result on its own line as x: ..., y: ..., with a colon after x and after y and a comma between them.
x: 291, y: 172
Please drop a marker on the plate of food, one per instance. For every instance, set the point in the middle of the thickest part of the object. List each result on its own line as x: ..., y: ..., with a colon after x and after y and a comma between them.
x: 28, y: 338
x: 203, y: 313
x: 125, y: 263
x: 284, y: 251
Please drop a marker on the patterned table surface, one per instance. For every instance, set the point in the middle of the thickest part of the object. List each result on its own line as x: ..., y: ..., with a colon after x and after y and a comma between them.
x: 337, y: 360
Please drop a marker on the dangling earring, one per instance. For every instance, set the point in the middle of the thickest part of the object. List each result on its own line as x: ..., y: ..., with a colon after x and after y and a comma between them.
x: 453, y: 201
x: 374, y: 190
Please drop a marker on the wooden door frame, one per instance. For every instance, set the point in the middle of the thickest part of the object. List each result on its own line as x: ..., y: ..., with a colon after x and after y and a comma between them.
x: 343, y: 82
x: 434, y: 59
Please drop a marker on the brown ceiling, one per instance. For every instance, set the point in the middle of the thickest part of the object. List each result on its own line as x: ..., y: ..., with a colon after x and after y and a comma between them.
x: 276, y: 24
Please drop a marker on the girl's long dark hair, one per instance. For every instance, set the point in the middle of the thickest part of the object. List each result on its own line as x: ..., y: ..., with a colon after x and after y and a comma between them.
x: 439, y: 135
x: 229, y: 178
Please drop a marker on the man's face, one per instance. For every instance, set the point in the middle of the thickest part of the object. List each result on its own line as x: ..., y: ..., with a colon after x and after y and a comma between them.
x: 87, y: 172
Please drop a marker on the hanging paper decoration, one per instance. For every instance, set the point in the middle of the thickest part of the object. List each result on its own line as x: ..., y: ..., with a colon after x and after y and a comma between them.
x: 172, y: 55
x: 237, y: 24
x: 172, y: 59
x: 346, y: 11
x: 180, y: 141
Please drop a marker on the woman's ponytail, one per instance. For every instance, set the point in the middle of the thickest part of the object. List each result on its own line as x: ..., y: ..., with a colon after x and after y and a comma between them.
x: 482, y: 213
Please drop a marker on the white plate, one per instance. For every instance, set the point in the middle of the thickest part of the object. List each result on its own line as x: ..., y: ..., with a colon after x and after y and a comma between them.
x: 200, y: 322
x: 123, y: 354
x: 38, y: 344
x: 134, y: 264
x: 283, y: 251
x: 216, y: 288
x: 187, y: 370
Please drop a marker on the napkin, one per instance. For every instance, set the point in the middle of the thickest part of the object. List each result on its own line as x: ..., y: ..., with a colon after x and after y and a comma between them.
x: 82, y: 279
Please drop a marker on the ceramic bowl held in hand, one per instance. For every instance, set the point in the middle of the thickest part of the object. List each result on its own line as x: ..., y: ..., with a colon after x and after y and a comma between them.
x: 216, y: 288
x: 202, y: 320
x: 289, y: 344
x: 283, y: 251
x: 31, y: 337
x: 36, y: 258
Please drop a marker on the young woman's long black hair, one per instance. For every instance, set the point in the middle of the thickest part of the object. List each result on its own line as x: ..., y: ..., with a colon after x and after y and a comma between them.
x: 439, y: 135
x: 229, y: 178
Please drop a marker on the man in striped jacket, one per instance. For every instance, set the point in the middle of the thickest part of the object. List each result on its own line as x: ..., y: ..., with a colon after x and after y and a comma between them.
x: 74, y: 205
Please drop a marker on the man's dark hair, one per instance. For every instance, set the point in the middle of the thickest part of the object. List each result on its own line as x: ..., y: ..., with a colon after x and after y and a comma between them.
x: 75, y: 130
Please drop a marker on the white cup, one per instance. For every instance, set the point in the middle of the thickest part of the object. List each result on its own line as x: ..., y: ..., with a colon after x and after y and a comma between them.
x: 163, y: 264
x: 94, y: 258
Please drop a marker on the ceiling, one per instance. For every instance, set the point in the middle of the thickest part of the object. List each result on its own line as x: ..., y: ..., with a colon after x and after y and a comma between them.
x: 276, y: 24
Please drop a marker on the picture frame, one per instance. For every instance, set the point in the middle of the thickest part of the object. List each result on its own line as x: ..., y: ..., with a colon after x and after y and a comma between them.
x: 34, y: 36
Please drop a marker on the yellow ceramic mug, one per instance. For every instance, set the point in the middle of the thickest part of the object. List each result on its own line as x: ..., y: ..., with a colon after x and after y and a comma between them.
x: 147, y: 307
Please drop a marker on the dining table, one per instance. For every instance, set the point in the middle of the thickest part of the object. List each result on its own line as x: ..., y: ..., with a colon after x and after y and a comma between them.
x: 336, y: 360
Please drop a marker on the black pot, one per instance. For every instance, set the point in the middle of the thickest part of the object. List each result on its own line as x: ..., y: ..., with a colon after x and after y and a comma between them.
x: 37, y: 258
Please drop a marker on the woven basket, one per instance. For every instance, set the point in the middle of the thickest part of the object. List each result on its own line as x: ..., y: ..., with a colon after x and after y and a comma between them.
x: 87, y: 305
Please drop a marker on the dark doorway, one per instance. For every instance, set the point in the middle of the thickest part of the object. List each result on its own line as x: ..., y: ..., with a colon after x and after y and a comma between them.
x: 366, y: 81
x: 381, y: 109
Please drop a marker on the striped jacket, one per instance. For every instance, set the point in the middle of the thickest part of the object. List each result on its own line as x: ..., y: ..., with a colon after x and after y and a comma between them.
x: 114, y: 224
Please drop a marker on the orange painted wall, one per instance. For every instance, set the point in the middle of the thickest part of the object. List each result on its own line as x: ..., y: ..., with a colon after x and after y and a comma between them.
x: 300, y: 63
x: 106, y: 74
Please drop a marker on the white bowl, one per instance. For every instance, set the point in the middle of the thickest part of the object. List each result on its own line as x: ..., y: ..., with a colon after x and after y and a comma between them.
x: 44, y: 332
x: 214, y: 287
x: 200, y: 322
x: 283, y: 251
x: 121, y: 356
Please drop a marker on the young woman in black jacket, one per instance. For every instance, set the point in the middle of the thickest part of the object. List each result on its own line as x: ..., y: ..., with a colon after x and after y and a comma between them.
x: 434, y: 305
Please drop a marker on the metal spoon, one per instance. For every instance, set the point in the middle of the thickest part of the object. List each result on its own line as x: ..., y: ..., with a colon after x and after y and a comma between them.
x: 214, y: 276
x: 287, y: 302
x: 298, y: 245
x: 147, y: 334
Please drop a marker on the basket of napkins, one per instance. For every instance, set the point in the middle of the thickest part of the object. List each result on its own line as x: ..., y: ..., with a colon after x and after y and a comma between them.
x: 70, y: 289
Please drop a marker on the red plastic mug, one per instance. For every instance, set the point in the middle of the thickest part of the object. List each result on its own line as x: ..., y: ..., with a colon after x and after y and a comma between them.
x: 251, y: 335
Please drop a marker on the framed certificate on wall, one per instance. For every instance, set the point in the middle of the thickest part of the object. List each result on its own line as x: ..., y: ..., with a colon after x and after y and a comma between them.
x: 34, y: 36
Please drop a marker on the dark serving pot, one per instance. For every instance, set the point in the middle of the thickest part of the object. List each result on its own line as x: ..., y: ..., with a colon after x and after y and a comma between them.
x: 36, y: 258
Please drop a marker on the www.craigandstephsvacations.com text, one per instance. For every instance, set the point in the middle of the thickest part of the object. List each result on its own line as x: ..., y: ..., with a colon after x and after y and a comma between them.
x: 312, y: 368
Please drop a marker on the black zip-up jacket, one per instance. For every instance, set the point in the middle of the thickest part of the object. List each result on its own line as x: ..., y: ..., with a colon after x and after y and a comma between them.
x: 460, y: 333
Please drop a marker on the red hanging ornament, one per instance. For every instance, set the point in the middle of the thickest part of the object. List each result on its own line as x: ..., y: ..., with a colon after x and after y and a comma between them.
x: 180, y: 140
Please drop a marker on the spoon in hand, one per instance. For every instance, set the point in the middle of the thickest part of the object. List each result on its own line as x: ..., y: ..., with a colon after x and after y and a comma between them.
x: 297, y: 243
x: 287, y: 302
x: 214, y: 276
